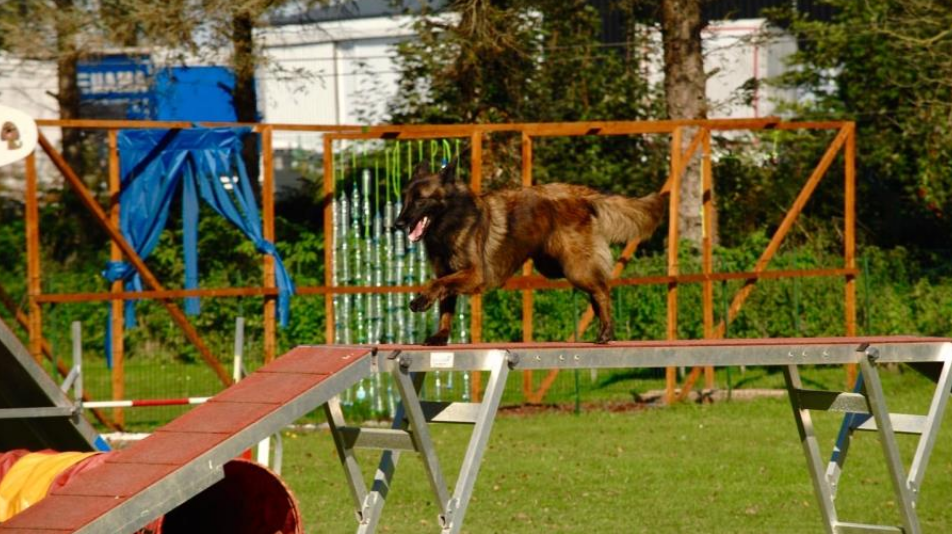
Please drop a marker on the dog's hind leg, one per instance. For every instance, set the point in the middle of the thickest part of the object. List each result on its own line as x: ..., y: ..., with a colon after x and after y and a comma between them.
x: 447, y: 308
x: 586, y: 270
x: 600, y: 296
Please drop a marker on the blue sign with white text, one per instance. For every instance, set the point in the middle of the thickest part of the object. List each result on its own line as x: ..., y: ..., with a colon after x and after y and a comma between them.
x: 120, y: 81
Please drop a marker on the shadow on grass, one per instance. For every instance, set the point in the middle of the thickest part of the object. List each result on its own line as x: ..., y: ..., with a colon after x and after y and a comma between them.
x: 629, y: 374
x: 773, y: 371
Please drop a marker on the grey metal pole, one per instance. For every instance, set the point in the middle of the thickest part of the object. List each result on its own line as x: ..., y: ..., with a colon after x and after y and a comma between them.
x: 239, y: 352
x: 77, y: 332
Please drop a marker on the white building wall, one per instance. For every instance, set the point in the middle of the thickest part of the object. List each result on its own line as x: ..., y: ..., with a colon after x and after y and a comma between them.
x: 329, y: 73
x: 744, y: 52
x: 344, y: 72
x: 736, y: 53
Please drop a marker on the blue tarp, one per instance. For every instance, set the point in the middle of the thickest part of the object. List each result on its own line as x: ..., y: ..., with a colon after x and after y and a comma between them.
x: 207, y: 163
x: 194, y: 94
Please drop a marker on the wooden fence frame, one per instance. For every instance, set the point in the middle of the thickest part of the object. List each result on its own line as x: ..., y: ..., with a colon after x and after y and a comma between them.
x: 679, y: 162
x: 701, y: 130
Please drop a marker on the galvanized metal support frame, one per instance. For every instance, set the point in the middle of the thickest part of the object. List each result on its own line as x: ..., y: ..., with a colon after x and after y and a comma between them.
x: 410, y: 432
x: 866, y: 410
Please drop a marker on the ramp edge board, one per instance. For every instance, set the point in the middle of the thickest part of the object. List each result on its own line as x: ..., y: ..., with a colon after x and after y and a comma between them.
x: 329, y: 370
x: 645, y: 354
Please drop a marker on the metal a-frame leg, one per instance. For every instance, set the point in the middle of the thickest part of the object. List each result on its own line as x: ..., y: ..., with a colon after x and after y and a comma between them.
x: 931, y: 427
x: 369, y: 504
x: 420, y: 433
x: 372, y: 506
x: 452, y: 520
x: 926, y: 426
x: 355, y: 480
x: 851, y: 421
x: 410, y: 431
x: 811, y: 449
x: 877, y: 405
x: 866, y: 410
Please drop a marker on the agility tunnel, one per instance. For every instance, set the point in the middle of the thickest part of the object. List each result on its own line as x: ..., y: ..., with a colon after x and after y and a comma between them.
x: 250, y: 499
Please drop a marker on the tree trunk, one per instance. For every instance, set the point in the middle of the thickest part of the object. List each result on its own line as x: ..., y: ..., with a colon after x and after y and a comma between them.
x: 684, y: 88
x: 67, y: 95
x: 244, y: 95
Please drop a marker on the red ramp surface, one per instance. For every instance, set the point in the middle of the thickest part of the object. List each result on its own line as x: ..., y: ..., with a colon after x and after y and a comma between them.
x: 155, y: 475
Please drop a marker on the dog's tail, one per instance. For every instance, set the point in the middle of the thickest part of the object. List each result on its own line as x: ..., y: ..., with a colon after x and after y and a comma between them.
x: 620, y: 219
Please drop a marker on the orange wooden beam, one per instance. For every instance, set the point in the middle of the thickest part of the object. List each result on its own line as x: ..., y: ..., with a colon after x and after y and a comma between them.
x: 476, y: 301
x: 34, y: 274
x: 328, y: 236
x: 709, y: 232
x: 117, y: 343
x: 849, y: 240
x: 267, y: 230
x: 527, y: 297
x: 534, y: 282
x: 678, y: 164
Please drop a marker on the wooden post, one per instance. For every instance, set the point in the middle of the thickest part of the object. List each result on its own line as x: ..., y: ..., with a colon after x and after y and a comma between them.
x: 707, y: 231
x: 267, y: 214
x: 476, y: 301
x: 118, y: 310
x: 527, y: 268
x: 328, y: 237
x: 34, y: 282
x: 849, y: 239
x: 675, y: 199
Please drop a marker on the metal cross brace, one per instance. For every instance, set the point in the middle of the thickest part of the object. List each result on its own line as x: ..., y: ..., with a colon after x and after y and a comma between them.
x: 410, y: 432
x: 865, y: 410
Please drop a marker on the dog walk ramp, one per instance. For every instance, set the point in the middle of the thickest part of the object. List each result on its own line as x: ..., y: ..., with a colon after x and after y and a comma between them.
x: 150, y: 478
x: 865, y: 409
x: 186, y: 456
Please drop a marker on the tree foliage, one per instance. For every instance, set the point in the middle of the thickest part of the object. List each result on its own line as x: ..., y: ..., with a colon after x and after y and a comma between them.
x: 887, y: 64
x: 535, y: 61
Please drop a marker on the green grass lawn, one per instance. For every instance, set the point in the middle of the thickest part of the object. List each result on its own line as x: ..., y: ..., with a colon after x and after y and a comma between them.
x: 730, y: 467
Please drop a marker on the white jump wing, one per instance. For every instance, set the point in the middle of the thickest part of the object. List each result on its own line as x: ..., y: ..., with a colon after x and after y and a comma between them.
x: 17, y: 135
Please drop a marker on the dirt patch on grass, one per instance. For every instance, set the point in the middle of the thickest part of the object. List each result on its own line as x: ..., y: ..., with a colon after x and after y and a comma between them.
x: 606, y: 406
x: 644, y: 401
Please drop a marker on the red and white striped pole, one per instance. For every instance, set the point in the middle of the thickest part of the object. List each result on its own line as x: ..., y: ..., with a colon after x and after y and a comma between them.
x: 145, y: 402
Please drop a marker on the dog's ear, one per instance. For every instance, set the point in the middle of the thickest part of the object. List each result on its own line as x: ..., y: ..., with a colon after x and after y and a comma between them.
x: 420, y: 171
x: 450, y: 172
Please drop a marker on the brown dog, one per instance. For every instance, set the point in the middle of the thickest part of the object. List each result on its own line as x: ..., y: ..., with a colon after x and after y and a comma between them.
x: 476, y: 243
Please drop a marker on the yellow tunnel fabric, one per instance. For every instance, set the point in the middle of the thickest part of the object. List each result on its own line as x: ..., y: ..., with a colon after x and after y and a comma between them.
x: 30, y: 478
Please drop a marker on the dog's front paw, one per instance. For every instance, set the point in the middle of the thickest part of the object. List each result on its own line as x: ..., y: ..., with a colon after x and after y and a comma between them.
x: 420, y: 303
x: 437, y: 339
x: 605, y: 336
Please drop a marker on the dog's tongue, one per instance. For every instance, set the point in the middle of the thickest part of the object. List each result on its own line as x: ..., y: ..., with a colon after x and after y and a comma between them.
x: 418, y: 229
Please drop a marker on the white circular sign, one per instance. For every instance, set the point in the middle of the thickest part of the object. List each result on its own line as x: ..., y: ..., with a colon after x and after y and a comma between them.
x: 17, y: 135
